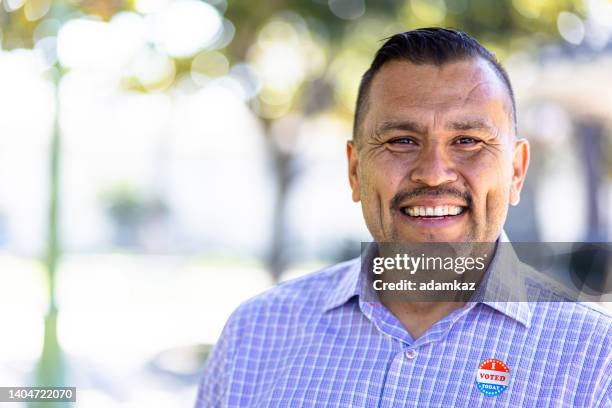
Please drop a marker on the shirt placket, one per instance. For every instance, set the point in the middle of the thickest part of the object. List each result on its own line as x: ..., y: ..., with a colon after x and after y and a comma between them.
x: 409, y: 363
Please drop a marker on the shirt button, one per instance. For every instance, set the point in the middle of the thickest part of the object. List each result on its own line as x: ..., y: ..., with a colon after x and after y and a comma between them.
x: 410, y: 354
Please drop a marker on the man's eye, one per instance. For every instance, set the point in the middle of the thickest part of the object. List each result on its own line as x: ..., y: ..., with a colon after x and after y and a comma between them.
x: 466, y: 140
x: 403, y: 141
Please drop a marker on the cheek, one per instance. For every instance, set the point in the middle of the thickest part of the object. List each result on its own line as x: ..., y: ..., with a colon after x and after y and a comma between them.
x: 489, y: 183
x: 382, y: 178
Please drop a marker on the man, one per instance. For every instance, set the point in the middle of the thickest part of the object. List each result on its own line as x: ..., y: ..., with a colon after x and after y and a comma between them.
x: 434, y: 158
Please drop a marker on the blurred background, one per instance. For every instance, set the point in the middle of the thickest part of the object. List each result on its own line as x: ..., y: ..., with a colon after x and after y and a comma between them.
x: 155, y: 151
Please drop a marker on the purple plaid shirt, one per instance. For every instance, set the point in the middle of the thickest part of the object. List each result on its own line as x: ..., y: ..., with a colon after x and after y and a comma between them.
x: 318, y: 341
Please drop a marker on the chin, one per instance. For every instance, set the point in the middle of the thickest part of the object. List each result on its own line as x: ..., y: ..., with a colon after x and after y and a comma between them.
x: 432, y: 235
x: 436, y: 237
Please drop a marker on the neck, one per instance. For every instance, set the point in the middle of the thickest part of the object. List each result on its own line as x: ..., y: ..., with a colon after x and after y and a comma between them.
x: 419, y: 310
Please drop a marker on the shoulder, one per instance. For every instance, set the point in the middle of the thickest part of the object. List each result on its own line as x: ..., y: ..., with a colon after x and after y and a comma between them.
x: 559, y: 307
x: 544, y: 289
x: 581, y: 315
x: 587, y: 326
x: 596, y: 311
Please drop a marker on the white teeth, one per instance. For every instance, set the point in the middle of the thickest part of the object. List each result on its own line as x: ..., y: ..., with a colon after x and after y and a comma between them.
x: 438, y: 211
x: 454, y: 210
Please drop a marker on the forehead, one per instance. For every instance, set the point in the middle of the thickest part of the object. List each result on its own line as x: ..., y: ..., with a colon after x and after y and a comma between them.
x: 430, y: 94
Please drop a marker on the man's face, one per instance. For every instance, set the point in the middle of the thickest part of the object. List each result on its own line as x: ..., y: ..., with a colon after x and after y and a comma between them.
x: 436, y: 159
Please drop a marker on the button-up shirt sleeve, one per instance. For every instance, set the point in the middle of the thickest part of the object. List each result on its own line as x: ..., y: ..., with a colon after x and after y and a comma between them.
x: 213, y: 389
x: 602, y: 394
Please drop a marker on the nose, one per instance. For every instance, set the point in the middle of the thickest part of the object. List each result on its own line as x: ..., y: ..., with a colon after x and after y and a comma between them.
x: 433, y: 167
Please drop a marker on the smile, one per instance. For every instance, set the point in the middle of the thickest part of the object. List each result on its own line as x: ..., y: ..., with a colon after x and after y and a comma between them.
x: 433, y: 212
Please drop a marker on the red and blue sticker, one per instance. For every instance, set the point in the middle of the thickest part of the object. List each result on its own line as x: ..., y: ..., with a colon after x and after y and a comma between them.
x: 493, y: 377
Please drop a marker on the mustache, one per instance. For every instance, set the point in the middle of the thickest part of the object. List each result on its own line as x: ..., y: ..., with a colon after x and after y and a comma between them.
x: 402, y: 196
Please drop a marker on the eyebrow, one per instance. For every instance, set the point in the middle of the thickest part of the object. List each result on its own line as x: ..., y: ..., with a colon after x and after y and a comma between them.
x: 473, y: 124
x: 405, y: 125
x: 412, y: 126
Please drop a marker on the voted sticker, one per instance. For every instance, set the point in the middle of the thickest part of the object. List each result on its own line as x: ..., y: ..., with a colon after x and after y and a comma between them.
x: 493, y: 377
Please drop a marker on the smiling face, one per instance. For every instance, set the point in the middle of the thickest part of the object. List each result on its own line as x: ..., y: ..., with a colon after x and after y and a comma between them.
x: 436, y: 158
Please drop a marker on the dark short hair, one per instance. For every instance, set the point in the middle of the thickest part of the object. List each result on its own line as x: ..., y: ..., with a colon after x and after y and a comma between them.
x: 427, y: 46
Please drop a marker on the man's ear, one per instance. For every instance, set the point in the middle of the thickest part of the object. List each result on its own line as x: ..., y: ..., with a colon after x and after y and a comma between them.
x: 353, y: 162
x: 520, y: 163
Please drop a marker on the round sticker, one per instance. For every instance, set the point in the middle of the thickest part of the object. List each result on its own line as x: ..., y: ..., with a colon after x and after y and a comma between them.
x: 493, y: 377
